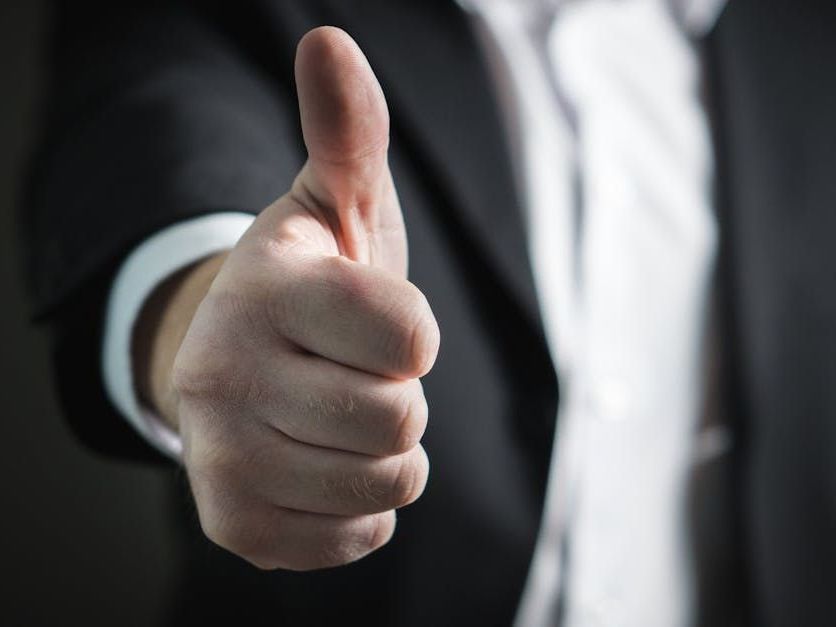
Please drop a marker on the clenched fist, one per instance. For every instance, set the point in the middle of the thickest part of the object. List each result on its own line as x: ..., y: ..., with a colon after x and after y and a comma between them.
x: 290, y: 367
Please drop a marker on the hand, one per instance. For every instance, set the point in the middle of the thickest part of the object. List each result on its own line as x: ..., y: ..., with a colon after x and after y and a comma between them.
x: 295, y: 388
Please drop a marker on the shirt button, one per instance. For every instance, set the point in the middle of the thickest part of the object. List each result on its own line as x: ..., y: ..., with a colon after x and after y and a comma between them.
x: 601, y: 613
x: 611, y: 399
x: 613, y: 609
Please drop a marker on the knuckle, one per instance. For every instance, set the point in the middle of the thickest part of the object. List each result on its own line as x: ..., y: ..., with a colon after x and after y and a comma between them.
x: 220, y: 526
x: 188, y: 377
x: 227, y: 536
x: 397, y: 341
x: 409, y: 480
x: 212, y: 529
x: 417, y: 339
x: 216, y: 505
x: 246, y: 535
x: 199, y: 376
x: 380, y: 530
x: 211, y: 458
x: 350, y: 542
x: 425, y: 339
x: 411, y: 419
x: 254, y: 542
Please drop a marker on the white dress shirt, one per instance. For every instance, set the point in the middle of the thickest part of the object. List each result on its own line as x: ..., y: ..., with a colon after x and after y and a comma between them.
x: 601, y: 99
x: 612, y: 157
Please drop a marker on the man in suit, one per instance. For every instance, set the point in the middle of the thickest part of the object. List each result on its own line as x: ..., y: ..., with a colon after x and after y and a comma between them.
x: 284, y: 374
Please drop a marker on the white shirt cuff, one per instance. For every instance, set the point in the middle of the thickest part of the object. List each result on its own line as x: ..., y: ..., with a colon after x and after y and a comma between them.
x: 153, y: 261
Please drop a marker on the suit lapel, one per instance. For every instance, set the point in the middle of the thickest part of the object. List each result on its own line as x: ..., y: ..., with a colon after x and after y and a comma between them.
x: 773, y: 92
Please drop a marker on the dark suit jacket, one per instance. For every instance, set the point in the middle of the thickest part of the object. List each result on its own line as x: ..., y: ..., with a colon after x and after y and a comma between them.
x: 161, y: 111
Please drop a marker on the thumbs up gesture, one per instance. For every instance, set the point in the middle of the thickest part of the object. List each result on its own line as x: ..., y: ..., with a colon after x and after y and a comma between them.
x: 295, y: 386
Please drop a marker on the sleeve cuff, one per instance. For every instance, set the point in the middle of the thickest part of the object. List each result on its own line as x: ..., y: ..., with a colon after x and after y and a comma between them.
x: 154, y: 260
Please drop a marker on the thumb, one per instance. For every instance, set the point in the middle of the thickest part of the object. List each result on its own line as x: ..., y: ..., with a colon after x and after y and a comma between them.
x: 345, y: 124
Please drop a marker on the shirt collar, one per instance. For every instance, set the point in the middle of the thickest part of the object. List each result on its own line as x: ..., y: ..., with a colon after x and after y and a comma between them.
x: 696, y: 17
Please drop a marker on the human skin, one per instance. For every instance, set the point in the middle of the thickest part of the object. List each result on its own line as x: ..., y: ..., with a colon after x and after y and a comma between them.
x: 290, y: 365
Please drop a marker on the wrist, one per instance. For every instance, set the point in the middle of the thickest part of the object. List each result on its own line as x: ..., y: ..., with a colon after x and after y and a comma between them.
x: 162, y: 324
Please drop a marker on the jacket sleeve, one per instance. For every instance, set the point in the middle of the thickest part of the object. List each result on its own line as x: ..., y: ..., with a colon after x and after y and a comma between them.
x: 155, y: 113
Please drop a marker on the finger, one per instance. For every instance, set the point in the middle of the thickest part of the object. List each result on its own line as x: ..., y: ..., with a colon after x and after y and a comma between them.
x: 355, y: 314
x: 326, y: 481
x: 322, y: 403
x: 257, y: 462
x: 345, y: 121
x: 272, y: 537
x: 345, y: 124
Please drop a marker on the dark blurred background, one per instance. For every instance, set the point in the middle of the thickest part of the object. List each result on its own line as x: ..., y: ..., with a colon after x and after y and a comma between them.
x: 84, y: 540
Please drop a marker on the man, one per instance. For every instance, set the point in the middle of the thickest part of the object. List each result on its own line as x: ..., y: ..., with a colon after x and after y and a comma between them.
x: 287, y: 369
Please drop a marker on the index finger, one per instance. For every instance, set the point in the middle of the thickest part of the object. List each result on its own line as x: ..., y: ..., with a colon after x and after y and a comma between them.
x: 356, y: 315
